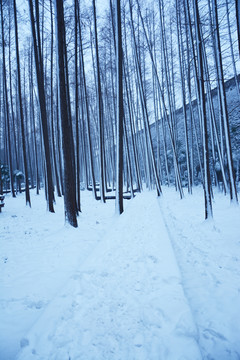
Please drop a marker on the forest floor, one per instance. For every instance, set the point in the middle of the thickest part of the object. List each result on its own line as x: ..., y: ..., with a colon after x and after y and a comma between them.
x: 158, y: 282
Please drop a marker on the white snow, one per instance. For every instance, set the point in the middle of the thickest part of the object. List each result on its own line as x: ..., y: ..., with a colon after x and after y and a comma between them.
x: 208, y: 254
x: 158, y: 282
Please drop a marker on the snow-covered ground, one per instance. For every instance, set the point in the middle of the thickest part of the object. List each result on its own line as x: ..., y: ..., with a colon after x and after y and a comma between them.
x: 158, y: 282
x: 208, y: 254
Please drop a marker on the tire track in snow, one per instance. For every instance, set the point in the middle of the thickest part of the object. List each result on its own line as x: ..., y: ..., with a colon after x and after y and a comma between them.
x: 211, y: 249
x: 183, y: 288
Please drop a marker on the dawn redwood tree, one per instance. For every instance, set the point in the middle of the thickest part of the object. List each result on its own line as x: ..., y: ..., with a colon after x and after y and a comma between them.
x: 99, y: 108
x: 231, y: 47
x: 182, y: 76
x: 13, y: 117
x: 233, y: 190
x: 86, y: 103
x: 192, y: 55
x: 52, y: 107
x: 6, y: 107
x: 148, y: 138
x: 20, y: 104
x: 76, y: 23
x: 207, y: 181
x: 70, y: 204
x: 171, y: 119
x: 37, y: 46
x: 120, y: 114
x: 32, y: 120
x: 129, y: 100
x: 237, y: 6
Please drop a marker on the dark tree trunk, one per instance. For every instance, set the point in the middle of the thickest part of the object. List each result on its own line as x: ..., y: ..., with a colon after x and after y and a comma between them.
x: 119, y: 60
x: 233, y: 190
x: 100, y: 111
x: 237, y: 4
x: 6, y: 109
x: 207, y: 183
x: 85, y: 95
x: 52, y: 109
x: 27, y: 193
x: 67, y: 137
x: 42, y: 101
x: 76, y: 15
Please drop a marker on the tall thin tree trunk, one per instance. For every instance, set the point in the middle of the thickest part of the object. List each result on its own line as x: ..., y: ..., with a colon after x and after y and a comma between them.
x: 67, y: 141
x: 89, y: 139
x: 119, y: 60
x: 27, y: 193
x: 42, y: 101
x: 100, y: 110
x: 237, y: 7
x: 6, y: 110
x: 76, y: 15
x: 207, y: 183
x: 52, y: 108
x: 233, y: 190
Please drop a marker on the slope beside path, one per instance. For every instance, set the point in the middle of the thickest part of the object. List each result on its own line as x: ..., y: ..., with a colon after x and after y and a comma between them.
x: 124, y: 301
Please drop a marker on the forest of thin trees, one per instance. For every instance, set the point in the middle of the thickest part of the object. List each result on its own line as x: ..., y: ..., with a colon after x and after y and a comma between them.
x: 115, y: 96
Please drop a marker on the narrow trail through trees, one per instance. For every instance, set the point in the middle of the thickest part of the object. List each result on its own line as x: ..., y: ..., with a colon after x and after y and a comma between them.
x: 125, y: 300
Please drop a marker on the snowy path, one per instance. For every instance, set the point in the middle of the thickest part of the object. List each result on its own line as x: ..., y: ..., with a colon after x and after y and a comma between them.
x: 124, y: 301
x: 208, y: 254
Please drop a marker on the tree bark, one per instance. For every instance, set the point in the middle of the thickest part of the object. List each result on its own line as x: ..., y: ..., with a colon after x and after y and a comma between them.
x: 67, y: 143
x: 27, y: 193
x: 42, y: 101
x: 119, y: 61
x: 207, y: 183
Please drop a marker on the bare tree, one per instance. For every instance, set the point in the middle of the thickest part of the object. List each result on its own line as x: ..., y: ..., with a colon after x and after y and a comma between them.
x: 67, y: 136
x: 207, y: 181
x: 37, y: 46
x: 27, y: 193
x: 237, y: 6
x: 99, y: 109
x: 6, y: 108
x: 233, y: 190
x: 120, y: 113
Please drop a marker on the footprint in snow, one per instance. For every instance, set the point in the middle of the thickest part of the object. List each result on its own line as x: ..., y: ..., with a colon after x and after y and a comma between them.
x: 153, y: 259
x: 35, y: 305
x: 172, y: 280
x: 104, y: 274
x: 76, y: 276
x: 214, y: 333
x: 138, y: 341
x: 24, y: 342
x: 138, y: 286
